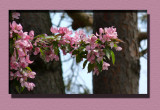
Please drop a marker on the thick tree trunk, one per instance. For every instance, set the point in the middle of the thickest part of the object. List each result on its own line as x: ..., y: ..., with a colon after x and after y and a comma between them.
x: 49, y: 75
x: 123, y: 76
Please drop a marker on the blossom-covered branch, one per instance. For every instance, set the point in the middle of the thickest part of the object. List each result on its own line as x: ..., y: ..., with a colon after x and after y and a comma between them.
x: 93, y: 48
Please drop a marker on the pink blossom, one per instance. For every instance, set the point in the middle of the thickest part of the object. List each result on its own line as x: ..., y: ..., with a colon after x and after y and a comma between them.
x: 52, y: 56
x: 93, y: 39
x: 54, y: 30
x: 96, y: 71
x: 23, y: 63
x: 111, y: 44
x: 37, y: 50
x: 30, y: 86
x: 105, y: 66
x: 56, y: 58
x: 31, y: 74
x: 81, y: 34
x: 23, y: 44
x: 64, y: 30
x: 64, y: 52
x: 25, y: 73
x: 31, y: 34
x: 21, y: 52
x: 88, y: 47
x: 23, y: 35
x: 99, y: 59
x: 101, y: 31
x: 47, y: 58
x: 27, y: 60
x: 18, y: 74
x: 15, y: 15
x: 10, y: 33
x: 105, y: 38
x: 11, y: 75
x: 13, y: 61
x: 91, y: 57
x: 26, y: 84
x: 19, y: 27
x: 15, y: 27
x: 111, y: 32
x: 21, y: 80
x: 118, y: 48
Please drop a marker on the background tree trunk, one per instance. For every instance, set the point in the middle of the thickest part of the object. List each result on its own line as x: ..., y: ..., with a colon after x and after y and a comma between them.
x: 49, y: 78
x: 123, y: 76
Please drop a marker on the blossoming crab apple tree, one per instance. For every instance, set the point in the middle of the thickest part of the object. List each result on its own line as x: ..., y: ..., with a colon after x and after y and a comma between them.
x: 93, y: 48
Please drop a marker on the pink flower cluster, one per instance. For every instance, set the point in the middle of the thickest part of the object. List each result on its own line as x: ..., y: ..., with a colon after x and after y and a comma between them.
x: 20, y: 59
x: 94, y: 45
x: 46, y: 49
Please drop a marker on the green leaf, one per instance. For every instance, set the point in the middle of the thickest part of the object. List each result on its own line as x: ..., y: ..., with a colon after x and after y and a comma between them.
x: 49, y: 37
x: 55, y: 44
x: 56, y: 51
x: 113, y: 57
x: 84, y: 64
x: 42, y: 35
x: 90, y: 67
x: 75, y: 52
x: 78, y: 58
x: 99, y: 65
x: 11, y: 49
x: 17, y: 88
x: 28, y: 68
x: 19, y: 36
x: 22, y: 88
x: 42, y: 53
x: 107, y: 51
x: 115, y: 45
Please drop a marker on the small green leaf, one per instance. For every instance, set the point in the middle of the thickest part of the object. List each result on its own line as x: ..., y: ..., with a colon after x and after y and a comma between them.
x: 90, y: 67
x: 56, y: 51
x: 113, y: 57
x: 75, y: 52
x: 115, y: 45
x: 99, y: 65
x: 49, y: 37
x: 22, y: 88
x: 11, y: 49
x: 19, y: 36
x: 78, y: 58
x: 107, y: 51
x: 28, y: 68
x: 17, y: 88
x: 42, y: 36
x: 84, y: 64
x: 42, y: 53
x: 55, y: 44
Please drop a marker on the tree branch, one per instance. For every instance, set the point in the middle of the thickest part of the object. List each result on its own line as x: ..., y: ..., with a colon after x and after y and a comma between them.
x: 143, y: 52
x: 80, y: 19
x: 142, y: 36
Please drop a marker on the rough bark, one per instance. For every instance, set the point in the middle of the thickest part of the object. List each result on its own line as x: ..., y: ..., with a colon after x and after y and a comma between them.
x: 80, y: 19
x: 49, y: 75
x: 142, y: 36
x: 123, y: 76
